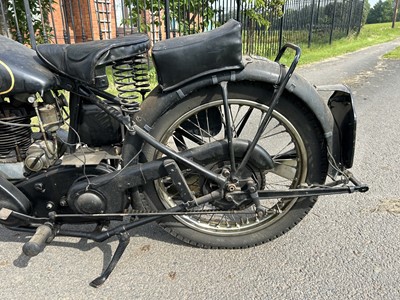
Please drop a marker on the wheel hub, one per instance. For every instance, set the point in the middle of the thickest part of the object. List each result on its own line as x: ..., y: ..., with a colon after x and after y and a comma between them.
x: 232, y: 200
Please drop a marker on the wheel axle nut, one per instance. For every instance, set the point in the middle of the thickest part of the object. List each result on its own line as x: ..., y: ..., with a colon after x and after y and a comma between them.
x: 226, y: 173
x: 230, y: 187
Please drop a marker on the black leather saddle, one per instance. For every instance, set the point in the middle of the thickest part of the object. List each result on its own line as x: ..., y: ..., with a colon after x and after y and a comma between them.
x: 185, y: 58
x: 80, y: 61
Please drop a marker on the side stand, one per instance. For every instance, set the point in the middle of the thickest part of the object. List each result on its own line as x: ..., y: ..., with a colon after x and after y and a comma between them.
x: 123, y: 243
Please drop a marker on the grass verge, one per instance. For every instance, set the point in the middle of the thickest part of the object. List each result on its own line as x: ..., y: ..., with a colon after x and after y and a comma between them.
x: 371, y: 34
x: 395, y: 54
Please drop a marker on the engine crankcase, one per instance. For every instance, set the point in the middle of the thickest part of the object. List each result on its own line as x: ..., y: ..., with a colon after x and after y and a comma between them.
x: 47, y: 191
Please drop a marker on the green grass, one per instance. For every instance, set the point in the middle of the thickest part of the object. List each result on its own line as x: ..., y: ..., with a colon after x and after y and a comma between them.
x: 371, y: 34
x: 395, y: 54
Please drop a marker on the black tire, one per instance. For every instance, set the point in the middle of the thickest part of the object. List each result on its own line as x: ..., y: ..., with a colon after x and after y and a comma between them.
x: 302, y: 161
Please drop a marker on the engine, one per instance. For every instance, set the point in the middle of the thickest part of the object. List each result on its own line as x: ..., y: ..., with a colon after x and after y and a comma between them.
x: 22, y: 149
x: 31, y: 141
x: 14, y: 140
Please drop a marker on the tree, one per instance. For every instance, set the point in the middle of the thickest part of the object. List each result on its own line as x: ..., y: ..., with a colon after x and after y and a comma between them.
x: 382, y: 12
x: 262, y: 9
x: 366, y: 10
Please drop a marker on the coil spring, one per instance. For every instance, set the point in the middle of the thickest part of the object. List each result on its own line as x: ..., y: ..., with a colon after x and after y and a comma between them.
x: 131, y: 79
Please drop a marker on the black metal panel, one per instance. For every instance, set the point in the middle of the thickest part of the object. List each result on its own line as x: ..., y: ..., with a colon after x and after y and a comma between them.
x: 47, y: 191
x: 341, y: 105
x: 96, y: 128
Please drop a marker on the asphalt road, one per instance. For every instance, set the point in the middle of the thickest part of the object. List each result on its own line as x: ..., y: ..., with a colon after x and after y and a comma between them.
x: 346, y: 248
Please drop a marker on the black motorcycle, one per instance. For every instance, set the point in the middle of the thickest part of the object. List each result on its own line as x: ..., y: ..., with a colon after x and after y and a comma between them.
x: 228, y: 151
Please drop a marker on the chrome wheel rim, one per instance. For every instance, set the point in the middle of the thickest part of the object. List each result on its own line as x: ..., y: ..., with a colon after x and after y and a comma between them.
x: 281, y: 140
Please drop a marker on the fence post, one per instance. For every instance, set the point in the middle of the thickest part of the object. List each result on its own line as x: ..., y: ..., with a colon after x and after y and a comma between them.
x: 167, y: 20
x: 64, y: 20
x: 52, y: 21
x: 318, y: 7
x: 238, y: 10
x: 350, y: 14
x: 30, y: 25
x: 19, y: 35
x: 281, y: 27
x: 311, y: 24
x: 333, y: 22
x: 45, y: 37
x: 3, y: 24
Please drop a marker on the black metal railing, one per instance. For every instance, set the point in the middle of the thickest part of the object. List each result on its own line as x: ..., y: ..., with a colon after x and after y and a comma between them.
x: 304, y: 22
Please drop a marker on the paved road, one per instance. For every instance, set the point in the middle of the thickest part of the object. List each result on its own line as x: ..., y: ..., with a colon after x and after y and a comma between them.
x: 346, y: 248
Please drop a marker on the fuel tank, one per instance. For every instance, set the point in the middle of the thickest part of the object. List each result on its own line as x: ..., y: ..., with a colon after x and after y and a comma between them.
x: 21, y: 70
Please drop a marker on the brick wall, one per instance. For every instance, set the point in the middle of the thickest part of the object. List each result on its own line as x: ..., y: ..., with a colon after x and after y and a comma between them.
x: 83, y: 20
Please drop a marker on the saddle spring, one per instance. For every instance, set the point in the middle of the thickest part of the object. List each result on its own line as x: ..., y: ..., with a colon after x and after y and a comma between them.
x: 131, y: 78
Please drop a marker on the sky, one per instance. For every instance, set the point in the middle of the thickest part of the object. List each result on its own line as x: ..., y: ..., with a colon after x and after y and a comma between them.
x: 372, y: 2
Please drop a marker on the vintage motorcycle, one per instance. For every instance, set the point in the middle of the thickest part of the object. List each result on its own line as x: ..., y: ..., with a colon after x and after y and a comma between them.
x: 228, y: 151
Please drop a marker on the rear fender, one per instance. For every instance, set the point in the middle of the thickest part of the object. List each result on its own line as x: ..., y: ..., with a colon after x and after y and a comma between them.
x: 256, y: 69
x: 341, y: 105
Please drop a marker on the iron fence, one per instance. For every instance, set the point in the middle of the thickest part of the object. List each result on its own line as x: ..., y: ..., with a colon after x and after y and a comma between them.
x: 303, y: 22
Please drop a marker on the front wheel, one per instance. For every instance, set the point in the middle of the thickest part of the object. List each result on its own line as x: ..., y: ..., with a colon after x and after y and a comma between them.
x: 293, y: 139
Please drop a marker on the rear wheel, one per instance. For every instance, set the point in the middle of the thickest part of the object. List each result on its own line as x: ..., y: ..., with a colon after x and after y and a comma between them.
x: 293, y: 139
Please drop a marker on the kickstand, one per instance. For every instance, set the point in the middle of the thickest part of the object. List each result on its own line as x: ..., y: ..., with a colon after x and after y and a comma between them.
x: 123, y: 243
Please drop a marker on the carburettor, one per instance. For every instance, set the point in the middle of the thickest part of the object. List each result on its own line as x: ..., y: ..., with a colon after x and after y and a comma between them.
x: 42, y: 153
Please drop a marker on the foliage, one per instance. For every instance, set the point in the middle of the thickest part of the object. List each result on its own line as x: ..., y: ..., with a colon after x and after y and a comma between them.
x: 381, y: 12
x: 40, y: 10
x: 191, y: 16
x: 257, y: 16
x: 185, y: 14
x: 366, y: 10
x: 260, y: 11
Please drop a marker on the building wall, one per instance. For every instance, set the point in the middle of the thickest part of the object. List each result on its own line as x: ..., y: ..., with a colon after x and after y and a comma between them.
x: 78, y: 21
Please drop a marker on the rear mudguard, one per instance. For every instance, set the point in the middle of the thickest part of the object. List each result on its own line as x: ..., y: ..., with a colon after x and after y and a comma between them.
x: 256, y: 70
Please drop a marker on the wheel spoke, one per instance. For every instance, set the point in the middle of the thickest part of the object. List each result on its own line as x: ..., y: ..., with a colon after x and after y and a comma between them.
x: 199, y: 127
x: 279, y: 139
x: 208, y: 126
x: 179, y: 142
x: 184, y: 133
x: 285, y: 168
x: 242, y: 123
